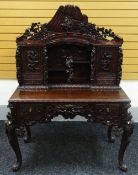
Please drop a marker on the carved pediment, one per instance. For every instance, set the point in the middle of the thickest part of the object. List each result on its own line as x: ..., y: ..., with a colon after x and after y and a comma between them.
x: 68, y: 19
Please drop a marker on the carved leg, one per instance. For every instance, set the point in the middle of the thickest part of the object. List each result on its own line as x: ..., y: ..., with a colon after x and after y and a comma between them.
x: 12, y: 137
x: 109, y: 134
x: 127, y: 131
x: 27, y: 138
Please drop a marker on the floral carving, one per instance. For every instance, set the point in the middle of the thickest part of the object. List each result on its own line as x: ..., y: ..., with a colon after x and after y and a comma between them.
x: 45, y: 55
x: 67, y: 19
x: 73, y: 25
x: 69, y: 70
x: 68, y: 110
x: 106, y: 61
x: 33, y: 60
x: 93, y: 58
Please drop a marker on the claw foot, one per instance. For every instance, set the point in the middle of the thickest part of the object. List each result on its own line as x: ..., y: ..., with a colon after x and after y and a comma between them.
x: 111, y: 140
x: 27, y: 140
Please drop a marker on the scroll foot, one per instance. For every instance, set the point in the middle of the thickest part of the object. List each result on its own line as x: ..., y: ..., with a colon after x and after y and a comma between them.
x: 109, y: 134
x: 16, y: 166
x: 123, y: 166
x: 27, y: 138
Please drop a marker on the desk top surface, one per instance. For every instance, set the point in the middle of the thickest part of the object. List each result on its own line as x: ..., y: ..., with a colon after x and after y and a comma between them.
x: 69, y: 95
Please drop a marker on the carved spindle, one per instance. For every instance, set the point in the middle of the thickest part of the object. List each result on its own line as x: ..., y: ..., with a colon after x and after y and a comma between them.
x: 69, y: 70
x: 120, y: 60
x: 93, y: 57
x: 45, y: 55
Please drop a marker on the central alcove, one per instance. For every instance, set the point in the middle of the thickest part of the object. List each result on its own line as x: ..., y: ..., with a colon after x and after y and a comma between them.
x: 69, y: 63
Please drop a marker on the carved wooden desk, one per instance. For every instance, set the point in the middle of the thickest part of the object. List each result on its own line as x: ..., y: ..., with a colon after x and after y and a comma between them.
x: 68, y: 67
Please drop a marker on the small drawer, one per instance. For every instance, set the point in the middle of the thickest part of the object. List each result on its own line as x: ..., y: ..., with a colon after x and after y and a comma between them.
x: 107, y: 109
x: 114, y: 109
x: 31, y: 109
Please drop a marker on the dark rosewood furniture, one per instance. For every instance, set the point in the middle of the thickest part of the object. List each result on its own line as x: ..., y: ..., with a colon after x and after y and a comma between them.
x: 69, y: 67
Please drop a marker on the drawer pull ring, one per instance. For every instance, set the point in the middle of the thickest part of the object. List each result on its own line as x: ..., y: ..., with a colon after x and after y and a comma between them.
x: 30, y: 109
x: 108, y: 110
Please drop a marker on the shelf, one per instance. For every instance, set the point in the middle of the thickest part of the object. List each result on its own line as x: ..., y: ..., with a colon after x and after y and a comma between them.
x: 81, y: 62
x: 57, y: 70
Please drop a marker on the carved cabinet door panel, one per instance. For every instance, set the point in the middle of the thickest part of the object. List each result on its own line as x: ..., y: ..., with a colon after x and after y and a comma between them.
x: 107, y: 59
x: 32, y: 65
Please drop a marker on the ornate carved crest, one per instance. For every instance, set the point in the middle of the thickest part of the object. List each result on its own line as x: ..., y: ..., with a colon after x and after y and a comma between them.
x: 67, y: 19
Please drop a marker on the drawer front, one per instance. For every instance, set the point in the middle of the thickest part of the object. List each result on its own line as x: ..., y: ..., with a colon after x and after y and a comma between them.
x: 31, y: 111
x: 42, y: 112
x: 108, y: 113
x: 70, y: 110
x: 107, y: 109
x: 47, y: 111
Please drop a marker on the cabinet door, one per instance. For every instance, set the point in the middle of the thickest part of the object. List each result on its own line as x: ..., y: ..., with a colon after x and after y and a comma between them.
x: 106, y: 66
x: 32, y: 66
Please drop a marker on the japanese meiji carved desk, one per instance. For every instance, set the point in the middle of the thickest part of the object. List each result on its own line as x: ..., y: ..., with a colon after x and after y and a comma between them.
x: 69, y: 67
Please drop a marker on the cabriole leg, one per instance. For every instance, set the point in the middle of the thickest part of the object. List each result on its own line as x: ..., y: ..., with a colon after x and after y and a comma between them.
x: 127, y: 131
x: 109, y: 134
x: 27, y: 138
x: 12, y: 137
